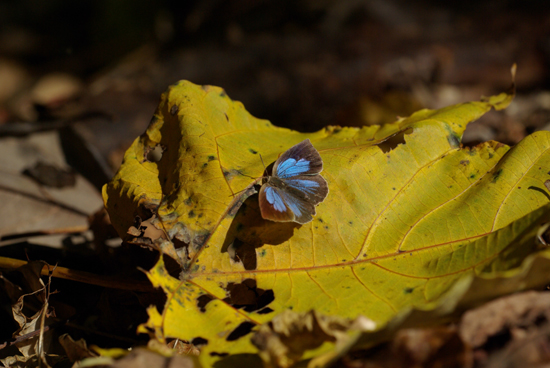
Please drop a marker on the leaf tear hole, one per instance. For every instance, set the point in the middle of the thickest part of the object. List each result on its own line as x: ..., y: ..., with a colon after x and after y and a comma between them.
x: 199, y: 341
x: 540, y: 190
x: 154, y: 154
x: 172, y: 266
x: 215, y: 353
x: 174, y: 110
x: 248, y: 296
x: 203, y: 300
x: 394, y: 140
x: 266, y: 310
x: 242, y: 330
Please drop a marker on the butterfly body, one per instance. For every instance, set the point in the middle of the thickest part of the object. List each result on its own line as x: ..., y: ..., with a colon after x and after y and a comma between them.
x: 295, y: 186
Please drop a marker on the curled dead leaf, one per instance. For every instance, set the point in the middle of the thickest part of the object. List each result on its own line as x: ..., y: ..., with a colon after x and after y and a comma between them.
x: 75, y: 350
x: 504, y: 314
x: 283, y: 341
x: 139, y: 358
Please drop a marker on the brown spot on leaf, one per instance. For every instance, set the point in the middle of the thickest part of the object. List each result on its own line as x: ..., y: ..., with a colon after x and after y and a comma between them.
x: 200, y: 239
x: 496, y: 175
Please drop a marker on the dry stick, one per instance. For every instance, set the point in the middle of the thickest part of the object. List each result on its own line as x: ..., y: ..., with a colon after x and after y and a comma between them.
x: 41, y: 353
x: 84, y: 277
x: 22, y: 128
x: 61, y: 230
x: 24, y: 337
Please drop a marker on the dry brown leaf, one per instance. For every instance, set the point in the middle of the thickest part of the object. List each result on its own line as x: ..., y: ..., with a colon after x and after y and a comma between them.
x: 32, y: 339
x: 507, y: 313
x: 283, y: 341
x: 76, y: 350
x: 416, y: 347
x: 139, y: 358
x: 26, y: 205
x: 511, y: 331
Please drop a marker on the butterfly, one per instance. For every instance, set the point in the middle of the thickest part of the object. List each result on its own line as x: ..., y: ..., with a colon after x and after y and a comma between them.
x: 295, y: 186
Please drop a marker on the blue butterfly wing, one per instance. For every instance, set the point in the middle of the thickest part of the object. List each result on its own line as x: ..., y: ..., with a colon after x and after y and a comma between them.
x: 301, y: 159
x: 272, y: 205
x: 311, y: 188
x: 302, y: 209
x: 300, y: 187
x: 278, y: 205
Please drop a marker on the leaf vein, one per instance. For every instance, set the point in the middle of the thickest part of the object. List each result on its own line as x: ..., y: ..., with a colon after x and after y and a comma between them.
x: 512, y: 187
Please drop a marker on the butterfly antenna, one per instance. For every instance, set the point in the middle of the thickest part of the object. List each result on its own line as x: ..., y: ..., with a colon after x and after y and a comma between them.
x: 247, y: 188
x: 248, y: 176
x: 256, y: 178
x: 261, y: 158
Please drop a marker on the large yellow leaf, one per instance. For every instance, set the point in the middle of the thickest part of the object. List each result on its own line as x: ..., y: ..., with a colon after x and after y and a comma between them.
x: 409, y: 212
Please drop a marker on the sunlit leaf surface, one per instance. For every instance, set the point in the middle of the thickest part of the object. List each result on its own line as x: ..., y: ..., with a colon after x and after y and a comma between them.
x: 409, y: 212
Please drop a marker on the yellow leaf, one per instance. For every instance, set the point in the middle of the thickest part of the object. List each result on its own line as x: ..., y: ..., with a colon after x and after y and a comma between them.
x: 409, y: 212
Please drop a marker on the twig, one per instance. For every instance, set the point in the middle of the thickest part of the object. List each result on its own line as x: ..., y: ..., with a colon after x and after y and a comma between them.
x: 84, y: 277
x: 30, y: 234
x: 41, y: 199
